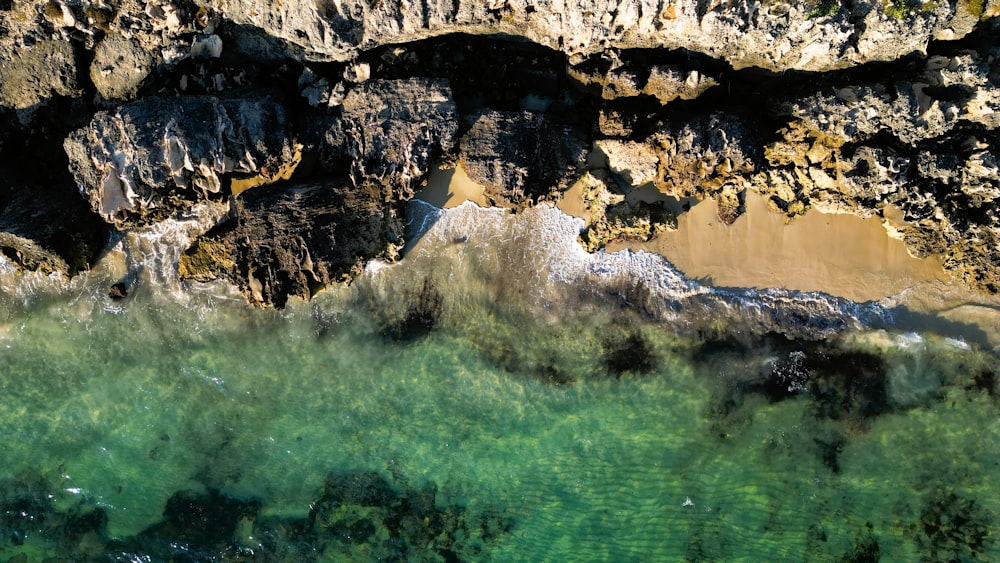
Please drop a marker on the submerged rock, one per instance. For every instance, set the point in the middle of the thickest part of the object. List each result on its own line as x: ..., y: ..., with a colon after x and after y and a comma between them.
x: 292, y: 240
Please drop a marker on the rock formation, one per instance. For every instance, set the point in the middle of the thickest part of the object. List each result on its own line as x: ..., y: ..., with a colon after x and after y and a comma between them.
x: 874, y: 108
x: 295, y: 239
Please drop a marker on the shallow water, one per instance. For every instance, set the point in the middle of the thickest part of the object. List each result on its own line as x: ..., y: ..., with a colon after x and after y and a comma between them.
x: 495, y: 396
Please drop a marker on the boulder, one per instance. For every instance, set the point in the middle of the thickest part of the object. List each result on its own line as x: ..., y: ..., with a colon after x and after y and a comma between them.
x: 50, y: 230
x: 157, y: 156
x: 701, y: 154
x: 31, y: 75
x: 120, y: 66
x: 393, y: 130
x: 292, y: 240
x: 520, y: 157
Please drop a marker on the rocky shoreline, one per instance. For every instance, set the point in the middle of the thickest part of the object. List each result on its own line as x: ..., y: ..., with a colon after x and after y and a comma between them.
x: 316, y: 123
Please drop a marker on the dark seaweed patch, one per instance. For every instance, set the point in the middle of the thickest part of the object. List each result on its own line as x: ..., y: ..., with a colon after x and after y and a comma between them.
x: 362, y: 489
x: 986, y: 380
x: 25, y: 507
x: 953, y: 527
x: 196, y: 526
x: 356, y: 516
x: 422, y: 314
x: 866, y: 550
x: 830, y: 452
x: 846, y: 384
x: 630, y: 354
x: 27, y: 514
x: 361, y: 515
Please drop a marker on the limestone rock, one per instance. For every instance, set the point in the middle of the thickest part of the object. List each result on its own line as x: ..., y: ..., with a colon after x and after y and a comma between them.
x: 946, y: 92
x: 640, y: 222
x: 30, y: 76
x: 120, y: 66
x: 520, y: 157
x: 291, y: 240
x: 775, y: 36
x: 666, y: 83
x: 634, y: 163
x: 50, y: 230
x: 394, y: 129
x: 702, y: 154
x: 156, y: 156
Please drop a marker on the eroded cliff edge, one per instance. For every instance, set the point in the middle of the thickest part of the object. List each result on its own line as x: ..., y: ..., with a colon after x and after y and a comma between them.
x: 316, y: 122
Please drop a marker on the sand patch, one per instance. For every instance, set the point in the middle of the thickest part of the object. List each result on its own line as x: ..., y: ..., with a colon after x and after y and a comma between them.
x: 451, y: 187
x: 839, y: 254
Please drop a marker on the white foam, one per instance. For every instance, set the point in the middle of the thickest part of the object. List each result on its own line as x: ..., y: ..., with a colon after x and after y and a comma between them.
x: 537, y: 251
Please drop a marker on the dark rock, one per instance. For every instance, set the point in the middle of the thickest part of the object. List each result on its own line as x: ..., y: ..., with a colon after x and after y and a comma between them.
x: 293, y: 240
x: 33, y: 240
x: 394, y: 129
x: 157, y: 156
x: 520, y: 157
x: 118, y: 291
x: 120, y: 66
x: 31, y: 75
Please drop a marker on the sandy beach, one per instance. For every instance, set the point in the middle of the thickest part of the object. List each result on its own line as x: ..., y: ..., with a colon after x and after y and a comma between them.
x: 839, y: 254
x: 451, y: 187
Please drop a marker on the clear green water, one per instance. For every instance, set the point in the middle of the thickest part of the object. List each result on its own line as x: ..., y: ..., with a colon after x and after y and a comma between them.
x: 506, y: 412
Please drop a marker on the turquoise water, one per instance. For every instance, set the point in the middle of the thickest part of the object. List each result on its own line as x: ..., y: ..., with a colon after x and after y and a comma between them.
x: 516, y: 421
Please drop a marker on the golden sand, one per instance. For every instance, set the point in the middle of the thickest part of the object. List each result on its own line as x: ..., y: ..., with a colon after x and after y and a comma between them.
x: 839, y: 254
x: 451, y: 187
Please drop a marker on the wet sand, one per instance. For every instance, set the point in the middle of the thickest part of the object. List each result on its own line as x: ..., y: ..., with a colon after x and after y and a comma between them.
x: 839, y: 254
x: 451, y: 187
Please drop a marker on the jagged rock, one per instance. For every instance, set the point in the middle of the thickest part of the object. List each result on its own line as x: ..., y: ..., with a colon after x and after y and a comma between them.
x: 292, y: 240
x: 944, y: 93
x: 773, y: 36
x: 633, y: 162
x: 640, y: 222
x: 520, y: 157
x: 668, y: 83
x: 120, y: 66
x: 730, y: 203
x: 31, y: 75
x: 701, y: 155
x: 157, y: 156
x: 595, y: 194
x: 50, y: 230
x: 394, y: 129
x: 664, y: 82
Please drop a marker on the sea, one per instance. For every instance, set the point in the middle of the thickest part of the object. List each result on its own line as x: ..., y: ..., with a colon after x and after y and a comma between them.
x: 498, y: 394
